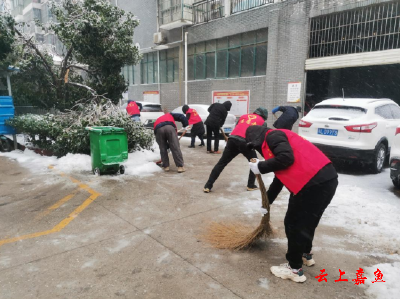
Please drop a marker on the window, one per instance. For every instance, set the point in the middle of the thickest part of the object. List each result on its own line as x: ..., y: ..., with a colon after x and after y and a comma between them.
x: 366, y: 29
x: 210, y: 65
x: 222, y: 64
x: 234, y: 63
x: 384, y: 111
x: 241, y: 55
x: 149, y: 68
x: 151, y: 108
x: 169, y: 65
x: 345, y: 112
x: 128, y: 74
x: 395, y: 111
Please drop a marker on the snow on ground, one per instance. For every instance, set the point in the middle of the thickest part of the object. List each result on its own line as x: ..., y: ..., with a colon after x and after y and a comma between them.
x: 140, y: 163
x: 389, y: 289
x: 366, y: 205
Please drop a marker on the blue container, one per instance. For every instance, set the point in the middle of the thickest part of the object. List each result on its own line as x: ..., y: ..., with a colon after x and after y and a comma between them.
x: 6, y: 111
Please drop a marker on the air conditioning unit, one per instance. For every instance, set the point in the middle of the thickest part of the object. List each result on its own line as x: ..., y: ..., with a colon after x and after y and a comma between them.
x: 159, y: 38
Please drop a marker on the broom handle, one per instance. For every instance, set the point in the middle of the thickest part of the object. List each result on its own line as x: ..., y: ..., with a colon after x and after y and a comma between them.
x: 265, y: 200
x: 223, y: 133
x: 183, y: 134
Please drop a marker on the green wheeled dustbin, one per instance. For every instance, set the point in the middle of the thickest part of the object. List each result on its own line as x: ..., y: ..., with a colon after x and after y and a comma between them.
x: 108, y: 149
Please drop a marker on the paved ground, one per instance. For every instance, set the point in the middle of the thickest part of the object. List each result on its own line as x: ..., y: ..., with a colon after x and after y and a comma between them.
x: 88, y: 237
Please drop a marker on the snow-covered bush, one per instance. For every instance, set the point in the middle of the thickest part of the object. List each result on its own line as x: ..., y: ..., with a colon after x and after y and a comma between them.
x: 65, y: 133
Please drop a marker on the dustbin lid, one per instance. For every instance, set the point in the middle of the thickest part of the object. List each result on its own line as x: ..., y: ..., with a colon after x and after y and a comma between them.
x: 105, y: 130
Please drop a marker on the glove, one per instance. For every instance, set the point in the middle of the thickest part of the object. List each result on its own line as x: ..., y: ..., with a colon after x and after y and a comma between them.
x: 188, y: 128
x: 275, y: 110
x: 254, y: 167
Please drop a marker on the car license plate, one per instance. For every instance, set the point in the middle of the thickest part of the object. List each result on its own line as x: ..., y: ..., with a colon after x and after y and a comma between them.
x: 227, y: 130
x: 328, y: 132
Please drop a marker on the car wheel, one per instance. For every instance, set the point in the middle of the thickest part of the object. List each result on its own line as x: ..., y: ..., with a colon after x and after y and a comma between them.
x: 5, y: 145
x: 121, y: 169
x: 396, y: 183
x: 96, y: 172
x: 379, y: 158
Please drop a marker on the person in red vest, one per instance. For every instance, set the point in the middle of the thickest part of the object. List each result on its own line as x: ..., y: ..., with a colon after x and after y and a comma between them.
x: 312, y: 181
x: 133, y: 108
x: 166, y: 137
x: 237, y: 145
x: 197, y: 125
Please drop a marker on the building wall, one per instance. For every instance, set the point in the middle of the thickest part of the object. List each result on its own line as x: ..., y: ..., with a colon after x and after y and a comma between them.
x: 146, y: 11
x: 288, y: 34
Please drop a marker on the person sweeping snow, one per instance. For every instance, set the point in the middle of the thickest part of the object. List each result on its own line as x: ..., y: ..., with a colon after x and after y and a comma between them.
x: 133, y: 109
x: 312, y: 181
x: 289, y: 116
x: 197, y: 125
x: 214, y: 121
x: 237, y: 145
x: 166, y: 137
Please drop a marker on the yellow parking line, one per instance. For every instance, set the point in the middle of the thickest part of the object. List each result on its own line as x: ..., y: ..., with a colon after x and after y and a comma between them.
x: 65, y: 221
x: 56, y: 205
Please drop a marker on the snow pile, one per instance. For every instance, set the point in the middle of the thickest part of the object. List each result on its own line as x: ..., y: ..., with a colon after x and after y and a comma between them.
x: 140, y: 163
x: 367, y: 206
x: 390, y: 289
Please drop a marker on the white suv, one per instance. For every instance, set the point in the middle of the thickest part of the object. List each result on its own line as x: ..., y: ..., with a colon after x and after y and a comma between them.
x: 202, y: 110
x: 149, y: 114
x: 353, y: 129
x: 395, y: 159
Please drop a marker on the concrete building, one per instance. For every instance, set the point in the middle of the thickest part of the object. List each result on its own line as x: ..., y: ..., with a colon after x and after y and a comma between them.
x: 28, y: 11
x: 262, y: 46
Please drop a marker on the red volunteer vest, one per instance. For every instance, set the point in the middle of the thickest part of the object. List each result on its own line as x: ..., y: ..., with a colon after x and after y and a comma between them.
x: 132, y: 108
x: 194, y: 116
x: 246, y: 121
x: 165, y: 118
x: 308, y: 160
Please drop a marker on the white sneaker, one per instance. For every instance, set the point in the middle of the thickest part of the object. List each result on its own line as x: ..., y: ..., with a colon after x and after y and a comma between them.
x: 284, y: 271
x: 308, y: 259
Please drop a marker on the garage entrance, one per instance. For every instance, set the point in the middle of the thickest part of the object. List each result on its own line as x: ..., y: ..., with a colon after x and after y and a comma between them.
x: 378, y: 81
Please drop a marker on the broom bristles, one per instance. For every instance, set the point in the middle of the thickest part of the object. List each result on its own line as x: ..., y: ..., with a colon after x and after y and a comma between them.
x: 236, y: 235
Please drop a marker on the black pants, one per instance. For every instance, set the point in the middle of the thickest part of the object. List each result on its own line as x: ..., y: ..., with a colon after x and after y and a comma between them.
x: 233, y: 148
x: 194, y: 139
x: 302, y: 217
x: 212, y: 130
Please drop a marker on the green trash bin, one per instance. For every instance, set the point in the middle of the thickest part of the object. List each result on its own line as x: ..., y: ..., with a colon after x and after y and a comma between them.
x: 108, y: 149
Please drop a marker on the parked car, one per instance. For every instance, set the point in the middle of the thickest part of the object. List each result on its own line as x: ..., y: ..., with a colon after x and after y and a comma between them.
x: 353, y: 129
x: 395, y: 159
x: 202, y: 110
x: 150, y: 112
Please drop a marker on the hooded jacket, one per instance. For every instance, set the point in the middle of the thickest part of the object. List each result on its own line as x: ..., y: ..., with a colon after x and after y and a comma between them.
x: 218, y: 114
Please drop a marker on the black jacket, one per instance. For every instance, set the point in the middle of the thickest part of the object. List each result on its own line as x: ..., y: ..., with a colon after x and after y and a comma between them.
x: 283, y: 158
x: 218, y: 114
x: 289, y: 116
x: 177, y: 117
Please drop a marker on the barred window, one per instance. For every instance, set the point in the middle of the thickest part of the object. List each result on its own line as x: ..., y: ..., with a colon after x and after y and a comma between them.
x: 367, y: 29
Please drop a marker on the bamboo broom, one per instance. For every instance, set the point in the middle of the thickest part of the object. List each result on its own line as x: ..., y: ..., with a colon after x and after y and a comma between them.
x: 236, y: 235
